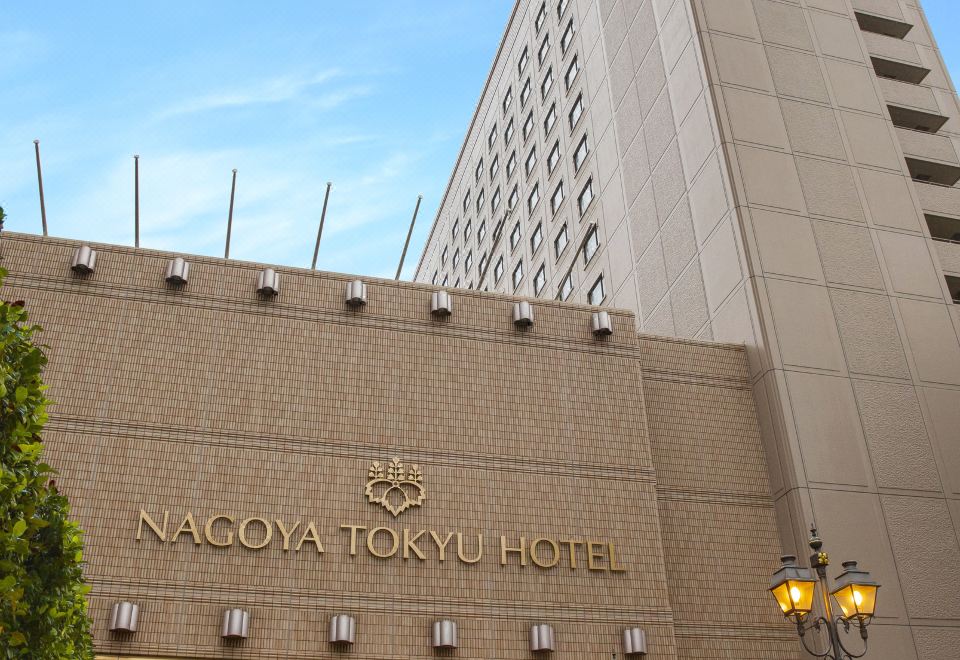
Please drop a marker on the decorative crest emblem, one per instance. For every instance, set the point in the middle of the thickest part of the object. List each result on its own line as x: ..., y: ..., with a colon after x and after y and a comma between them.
x: 398, y: 489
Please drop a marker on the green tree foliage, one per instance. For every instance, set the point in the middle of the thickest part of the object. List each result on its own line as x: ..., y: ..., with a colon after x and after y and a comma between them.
x: 43, y: 610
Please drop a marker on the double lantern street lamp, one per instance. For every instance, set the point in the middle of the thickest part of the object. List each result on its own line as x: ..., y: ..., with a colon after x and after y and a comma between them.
x: 793, y: 586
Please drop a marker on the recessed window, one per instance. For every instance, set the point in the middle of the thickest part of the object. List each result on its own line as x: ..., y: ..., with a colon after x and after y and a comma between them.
x: 566, y: 287
x: 576, y: 111
x: 443, y: 256
x: 572, y: 72
x: 518, y: 274
x: 581, y: 153
x: 466, y: 201
x: 455, y: 230
x: 456, y: 285
x: 537, y: 237
x: 541, y: 17
x: 557, y: 198
x: 531, y: 160
x: 508, y: 134
x: 942, y: 228
x: 470, y: 286
x: 514, y: 198
x: 466, y: 232
x: 547, y: 84
x: 953, y: 283
x: 550, y: 119
x: 511, y: 164
x: 591, y: 244
x: 482, y: 266
x: 525, y: 92
x: 433, y: 280
x: 567, y: 37
x: 562, y: 8
x: 586, y: 196
x: 539, y: 279
x: 446, y: 278
x: 468, y: 262
x: 481, y: 231
x: 596, y: 295
x: 480, y: 201
x: 515, y: 236
x: 544, y: 49
x: 494, y: 166
x: 560, y: 241
x: 492, y: 138
x: 507, y: 100
x: 498, y: 270
x: 524, y: 58
x: 456, y: 258
x: 553, y: 157
x: 528, y: 126
x: 495, y: 201
x: 534, y: 197
x: 479, y: 171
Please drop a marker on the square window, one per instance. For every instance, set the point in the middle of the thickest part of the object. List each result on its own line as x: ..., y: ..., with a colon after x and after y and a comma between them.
x: 456, y: 258
x: 518, y: 274
x: 572, y: 72
x: 550, y: 119
x: 494, y: 166
x: 591, y: 244
x: 492, y: 138
x: 576, y: 112
x: 525, y: 92
x: 511, y: 164
x: 541, y: 17
x: 514, y: 198
x: 528, y: 126
x: 481, y: 231
x: 531, y: 160
x: 581, y: 153
x: 557, y: 198
x: 524, y: 58
x: 566, y: 287
x: 537, y: 238
x: 567, y: 37
x: 595, y: 296
x: 495, y: 201
x: 515, y: 236
x: 479, y: 171
x: 554, y: 157
x: 560, y: 242
x: 507, y: 100
x: 544, y: 49
x: 508, y: 134
x: 547, y: 84
x: 498, y: 270
x: 586, y: 196
x: 539, y: 279
x: 534, y: 198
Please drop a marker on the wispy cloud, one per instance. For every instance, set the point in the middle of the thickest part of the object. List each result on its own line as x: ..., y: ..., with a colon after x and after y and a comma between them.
x: 280, y: 89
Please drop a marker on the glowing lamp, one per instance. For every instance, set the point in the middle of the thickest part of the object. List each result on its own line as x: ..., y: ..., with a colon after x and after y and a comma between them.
x: 793, y: 588
x: 855, y: 593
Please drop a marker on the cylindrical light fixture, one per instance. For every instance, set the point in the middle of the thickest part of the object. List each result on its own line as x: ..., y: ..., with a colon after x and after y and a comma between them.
x: 177, y: 271
x: 441, y: 303
x: 123, y: 617
x: 343, y: 629
x: 634, y: 642
x: 522, y: 314
x: 84, y: 260
x: 445, y: 634
x: 542, y: 638
x: 356, y: 293
x: 236, y: 624
x: 601, y: 324
x: 268, y: 282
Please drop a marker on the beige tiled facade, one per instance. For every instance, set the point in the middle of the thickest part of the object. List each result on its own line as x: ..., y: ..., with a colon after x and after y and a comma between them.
x: 781, y: 173
x: 209, y: 400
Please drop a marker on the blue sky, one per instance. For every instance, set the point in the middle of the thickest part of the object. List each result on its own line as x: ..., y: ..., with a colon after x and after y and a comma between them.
x: 374, y: 96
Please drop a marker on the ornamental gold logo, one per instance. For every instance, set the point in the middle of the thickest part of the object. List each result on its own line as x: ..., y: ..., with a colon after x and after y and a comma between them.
x: 396, y: 490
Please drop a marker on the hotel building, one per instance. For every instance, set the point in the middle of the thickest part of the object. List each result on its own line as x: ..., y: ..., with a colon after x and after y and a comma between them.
x: 780, y: 174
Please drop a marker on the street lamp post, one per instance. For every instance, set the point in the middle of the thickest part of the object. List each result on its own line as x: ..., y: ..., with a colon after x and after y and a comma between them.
x: 854, y: 592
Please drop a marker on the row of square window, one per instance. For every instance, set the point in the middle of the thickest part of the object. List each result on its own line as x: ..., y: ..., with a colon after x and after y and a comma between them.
x: 583, y: 203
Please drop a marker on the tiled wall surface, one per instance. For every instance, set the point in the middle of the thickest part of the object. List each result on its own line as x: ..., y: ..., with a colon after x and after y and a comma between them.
x: 209, y: 400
